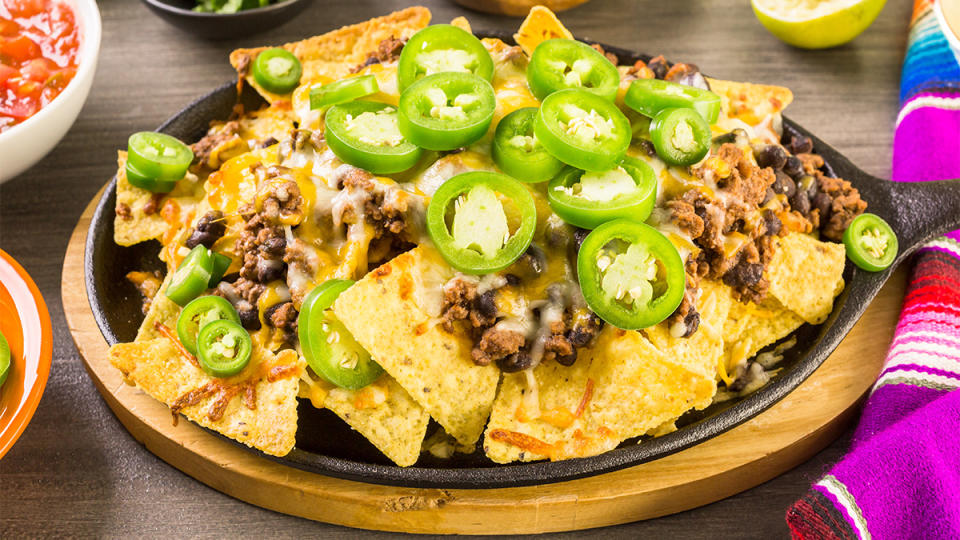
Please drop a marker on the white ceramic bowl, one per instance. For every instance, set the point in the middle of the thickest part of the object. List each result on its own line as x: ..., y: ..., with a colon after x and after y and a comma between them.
x: 24, y: 144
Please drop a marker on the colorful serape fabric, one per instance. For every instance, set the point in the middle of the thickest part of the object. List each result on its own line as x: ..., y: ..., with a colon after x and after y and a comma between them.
x: 901, y: 478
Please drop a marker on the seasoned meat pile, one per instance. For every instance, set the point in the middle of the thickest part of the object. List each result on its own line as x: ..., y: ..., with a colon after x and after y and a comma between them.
x: 553, y: 331
x: 388, y: 51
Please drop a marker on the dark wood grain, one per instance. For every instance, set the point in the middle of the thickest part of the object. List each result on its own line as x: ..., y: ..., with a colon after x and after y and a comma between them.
x: 75, y: 471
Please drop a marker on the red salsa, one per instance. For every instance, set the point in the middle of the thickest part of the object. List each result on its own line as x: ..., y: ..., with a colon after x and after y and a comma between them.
x: 39, y: 44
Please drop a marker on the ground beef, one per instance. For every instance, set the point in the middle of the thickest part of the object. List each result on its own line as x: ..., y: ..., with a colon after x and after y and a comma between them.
x: 123, y: 212
x: 283, y: 316
x: 205, y: 149
x: 608, y: 55
x: 386, y: 205
x: 686, y: 313
x: 496, y: 344
x: 845, y: 204
x: 209, y: 229
x: 150, y: 207
x: 387, y: 51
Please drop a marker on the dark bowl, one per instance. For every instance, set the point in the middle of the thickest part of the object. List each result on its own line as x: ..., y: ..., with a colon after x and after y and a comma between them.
x: 326, y: 445
x: 179, y: 13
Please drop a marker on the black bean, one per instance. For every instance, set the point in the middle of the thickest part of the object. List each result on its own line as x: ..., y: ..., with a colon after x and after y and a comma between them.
x: 582, y: 334
x: 767, y: 196
x: 801, y: 144
x: 692, y: 322
x: 486, y: 304
x: 209, y: 229
x: 567, y: 360
x: 269, y: 269
x: 275, y: 245
x: 794, y: 167
x: 231, y: 277
x: 517, y: 361
x: 694, y: 79
x: 800, y: 202
x: 784, y: 185
x: 772, y: 223
x: 658, y: 66
x: 512, y: 279
x: 823, y: 202
x: 249, y: 318
x: 648, y: 147
x: 737, y: 136
x: 579, y: 235
x: 744, y: 274
x: 268, y: 142
x: 771, y: 155
x: 535, y: 258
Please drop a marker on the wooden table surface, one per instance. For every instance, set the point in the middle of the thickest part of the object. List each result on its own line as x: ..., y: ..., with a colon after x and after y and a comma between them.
x: 76, y: 471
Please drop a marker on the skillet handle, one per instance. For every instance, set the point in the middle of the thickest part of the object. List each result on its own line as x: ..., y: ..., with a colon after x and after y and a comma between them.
x: 922, y: 211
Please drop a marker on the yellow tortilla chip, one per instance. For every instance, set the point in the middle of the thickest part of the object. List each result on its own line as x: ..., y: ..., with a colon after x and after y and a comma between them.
x: 806, y: 274
x: 751, y: 327
x: 750, y: 102
x: 133, y: 223
x: 386, y: 415
x: 622, y: 387
x: 334, y: 54
x: 387, y: 314
x: 162, y: 310
x: 157, y: 368
x: 540, y: 25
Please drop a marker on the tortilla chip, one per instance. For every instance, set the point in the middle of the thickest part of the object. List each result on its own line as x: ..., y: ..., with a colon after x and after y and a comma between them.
x: 162, y: 311
x: 157, y: 368
x: 335, y: 54
x: 396, y: 425
x: 806, y: 274
x: 133, y: 224
x: 623, y: 387
x: 751, y: 327
x: 750, y: 102
x: 540, y: 25
x: 703, y: 351
x: 462, y: 23
x: 388, y: 316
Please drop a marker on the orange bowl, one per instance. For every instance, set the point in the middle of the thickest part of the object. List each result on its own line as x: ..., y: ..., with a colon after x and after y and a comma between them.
x: 25, y: 322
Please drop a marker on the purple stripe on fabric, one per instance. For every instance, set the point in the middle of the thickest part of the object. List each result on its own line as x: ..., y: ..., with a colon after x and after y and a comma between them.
x: 923, y: 368
x: 926, y: 146
x: 952, y: 254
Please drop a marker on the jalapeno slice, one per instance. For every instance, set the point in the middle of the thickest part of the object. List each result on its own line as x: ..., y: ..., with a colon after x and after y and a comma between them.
x: 557, y: 64
x: 588, y: 199
x: 366, y: 134
x: 343, y: 91
x: 650, y: 96
x: 157, y: 156
x: 630, y: 274
x: 871, y: 243
x: 192, y: 277
x: 442, y: 48
x: 446, y: 111
x: 199, y: 313
x: 221, y: 263
x: 478, y: 239
x: 142, y: 181
x: 223, y: 348
x: 277, y: 70
x: 517, y: 151
x: 583, y: 129
x: 4, y: 359
x: 680, y: 136
x: 330, y: 349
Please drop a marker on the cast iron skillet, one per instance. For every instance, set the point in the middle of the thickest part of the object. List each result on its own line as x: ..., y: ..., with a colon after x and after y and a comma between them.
x: 326, y: 445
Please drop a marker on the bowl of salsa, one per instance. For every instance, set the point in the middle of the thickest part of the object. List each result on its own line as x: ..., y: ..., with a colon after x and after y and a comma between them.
x: 25, y: 326
x: 48, y: 56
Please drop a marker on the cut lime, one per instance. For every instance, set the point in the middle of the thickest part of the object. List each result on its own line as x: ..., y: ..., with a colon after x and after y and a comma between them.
x: 817, y: 24
x: 4, y: 359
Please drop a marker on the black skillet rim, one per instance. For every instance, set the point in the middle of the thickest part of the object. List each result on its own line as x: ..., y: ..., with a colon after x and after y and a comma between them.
x: 826, y: 338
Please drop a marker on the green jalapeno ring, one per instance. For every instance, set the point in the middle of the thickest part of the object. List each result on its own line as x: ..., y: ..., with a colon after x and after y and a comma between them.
x: 329, y: 348
x: 223, y: 348
x: 443, y: 48
x: 366, y: 134
x: 680, y: 136
x: 446, y: 111
x: 656, y: 300
x: 650, y: 96
x: 192, y: 277
x: 557, y: 64
x: 159, y: 156
x: 343, y: 91
x: 465, y: 258
x: 871, y: 243
x: 589, y: 214
x: 198, y: 313
x: 517, y: 151
x: 277, y: 70
x: 4, y: 359
x: 583, y: 129
x: 142, y: 181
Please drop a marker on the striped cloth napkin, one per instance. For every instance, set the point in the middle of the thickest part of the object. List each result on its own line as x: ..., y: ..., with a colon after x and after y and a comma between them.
x: 901, y: 477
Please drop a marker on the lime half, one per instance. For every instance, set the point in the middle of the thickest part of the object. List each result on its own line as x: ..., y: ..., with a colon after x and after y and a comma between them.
x: 4, y: 359
x: 817, y: 24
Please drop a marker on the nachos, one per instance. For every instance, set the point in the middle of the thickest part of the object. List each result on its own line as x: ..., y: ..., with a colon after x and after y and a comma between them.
x: 542, y: 249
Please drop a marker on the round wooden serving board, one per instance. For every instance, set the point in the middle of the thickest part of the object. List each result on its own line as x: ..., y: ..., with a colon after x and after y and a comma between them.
x: 784, y: 436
